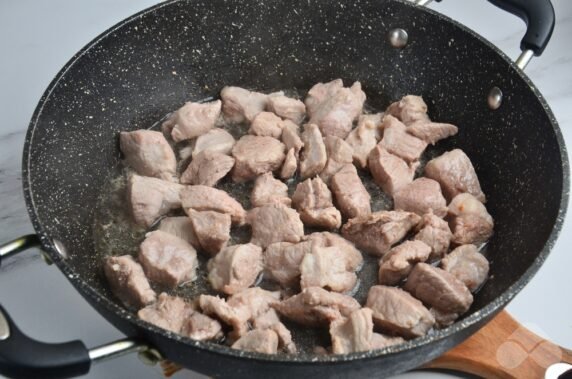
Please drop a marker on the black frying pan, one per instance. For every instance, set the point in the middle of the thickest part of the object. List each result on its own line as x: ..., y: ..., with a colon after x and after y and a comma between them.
x: 136, y: 72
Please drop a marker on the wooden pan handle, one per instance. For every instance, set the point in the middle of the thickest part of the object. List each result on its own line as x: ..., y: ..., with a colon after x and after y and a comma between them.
x: 503, y: 349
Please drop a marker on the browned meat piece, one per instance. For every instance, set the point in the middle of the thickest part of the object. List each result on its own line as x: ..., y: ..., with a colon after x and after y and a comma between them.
x: 316, y: 306
x: 215, y: 140
x: 290, y: 165
x: 364, y: 137
x: 467, y: 265
x: 312, y: 194
x: 320, y: 93
x: 270, y: 320
x: 255, y: 156
x: 456, y: 174
x: 253, y: 304
x: 181, y: 227
x: 352, y: 256
x: 288, y: 108
x: 398, y: 262
x: 192, y: 120
x: 421, y: 196
x: 169, y: 312
x: 471, y: 223
x: 259, y: 341
x: 313, y: 200
x: 334, y: 108
x: 275, y: 223
x: 353, y: 334
x: 390, y: 172
x: 397, y: 312
x: 443, y: 319
x: 235, y: 268
x: 212, y: 230
x: 237, y: 317
x: 431, y: 132
x: 378, y: 231
x: 397, y: 141
x: 435, y: 232
x: 339, y: 154
x: 351, y: 195
x: 201, y: 327
x: 266, y: 124
x: 255, y: 301
x: 207, y: 168
x: 128, y: 281
x: 329, y: 268
x: 409, y: 109
x: 282, y: 261
x: 203, y: 198
x: 291, y: 137
x: 327, y: 218
x: 149, y: 154
x: 168, y: 260
x: 439, y: 289
x: 268, y: 190
x: 379, y: 341
x: 151, y: 198
x: 239, y: 104
x: 294, y: 144
x: 313, y: 156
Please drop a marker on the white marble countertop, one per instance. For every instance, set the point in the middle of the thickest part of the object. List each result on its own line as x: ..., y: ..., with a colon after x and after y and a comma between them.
x: 37, y: 39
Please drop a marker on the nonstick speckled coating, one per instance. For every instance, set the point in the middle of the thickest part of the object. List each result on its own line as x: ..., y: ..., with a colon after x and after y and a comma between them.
x: 152, y: 63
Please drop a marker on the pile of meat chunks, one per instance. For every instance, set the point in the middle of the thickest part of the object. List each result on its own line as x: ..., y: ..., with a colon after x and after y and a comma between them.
x: 429, y: 263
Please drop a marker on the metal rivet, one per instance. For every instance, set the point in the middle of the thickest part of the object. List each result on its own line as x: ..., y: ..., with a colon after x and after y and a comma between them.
x: 46, y: 258
x: 60, y: 248
x: 4, y: 327
x: 495, y: 98
x: 398, y: 38
x: 150, y: 357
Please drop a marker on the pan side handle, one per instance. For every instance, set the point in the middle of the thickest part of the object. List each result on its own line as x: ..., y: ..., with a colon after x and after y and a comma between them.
x: 19, y: 244
x: 539, y: 18
x: 24, y: 357
x: 504, y: 349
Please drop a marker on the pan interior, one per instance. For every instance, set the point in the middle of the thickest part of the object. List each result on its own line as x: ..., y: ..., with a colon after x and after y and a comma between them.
x: 144, y: 68
x: 115, y: 233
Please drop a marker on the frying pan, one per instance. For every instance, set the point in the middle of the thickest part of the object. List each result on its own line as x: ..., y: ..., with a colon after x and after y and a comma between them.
x: 139, y: 70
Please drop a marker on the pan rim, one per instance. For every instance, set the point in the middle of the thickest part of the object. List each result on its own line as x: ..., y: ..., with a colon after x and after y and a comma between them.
x: 487, y: 311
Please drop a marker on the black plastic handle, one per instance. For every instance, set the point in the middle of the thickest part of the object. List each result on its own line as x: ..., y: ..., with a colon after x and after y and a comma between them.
x: 24, y: 357
x: 539, y: 18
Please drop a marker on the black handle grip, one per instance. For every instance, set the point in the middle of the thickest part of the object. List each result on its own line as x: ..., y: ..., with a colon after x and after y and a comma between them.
x: 539, y: 18
x: 23, y: 357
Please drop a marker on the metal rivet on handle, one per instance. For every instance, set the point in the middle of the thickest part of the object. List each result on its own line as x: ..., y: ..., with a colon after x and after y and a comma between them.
x: 47, y: 259
x: 495, y: 98
x: 398, y: 38
x: 60, y: 248
x: 150, y: 357
x: 4, y: 327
